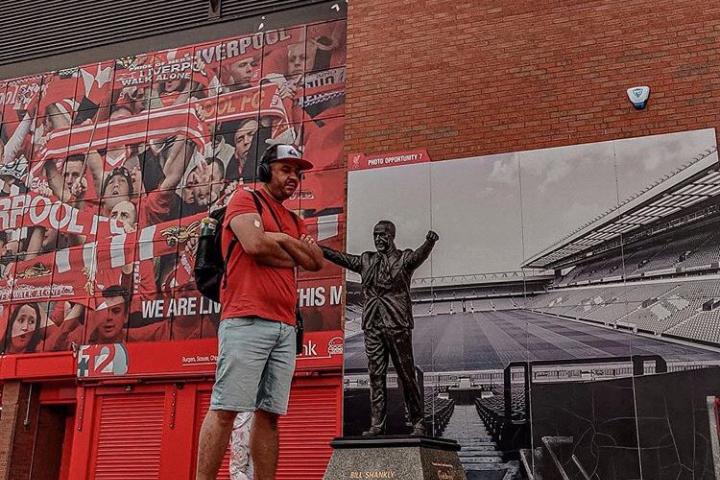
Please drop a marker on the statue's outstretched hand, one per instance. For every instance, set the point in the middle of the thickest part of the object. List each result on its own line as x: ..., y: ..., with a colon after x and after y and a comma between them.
x: 432, y: 237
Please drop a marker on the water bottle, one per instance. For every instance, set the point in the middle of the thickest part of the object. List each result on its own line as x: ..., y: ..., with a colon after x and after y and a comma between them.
x: 207, y: 227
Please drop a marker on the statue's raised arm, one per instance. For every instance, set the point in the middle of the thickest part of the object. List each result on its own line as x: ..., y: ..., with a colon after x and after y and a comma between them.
x: 418, y: 256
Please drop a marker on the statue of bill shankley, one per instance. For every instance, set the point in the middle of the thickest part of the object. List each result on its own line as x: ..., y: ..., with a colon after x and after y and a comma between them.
x: 387, y: 320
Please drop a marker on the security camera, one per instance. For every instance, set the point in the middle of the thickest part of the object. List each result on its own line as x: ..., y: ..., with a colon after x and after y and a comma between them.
x: 638, y: 96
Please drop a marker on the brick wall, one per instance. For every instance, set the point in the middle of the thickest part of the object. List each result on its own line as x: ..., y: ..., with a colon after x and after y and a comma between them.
x: 16, y: 438
x: 32, y: 451
x: 480, y: 77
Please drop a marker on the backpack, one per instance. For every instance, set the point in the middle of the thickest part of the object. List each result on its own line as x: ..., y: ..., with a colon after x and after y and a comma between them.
x: 210, y: 264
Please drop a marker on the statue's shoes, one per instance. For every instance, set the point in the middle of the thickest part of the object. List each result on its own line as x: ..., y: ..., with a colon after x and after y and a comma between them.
x: 373, y: 432
x: 419, y: 431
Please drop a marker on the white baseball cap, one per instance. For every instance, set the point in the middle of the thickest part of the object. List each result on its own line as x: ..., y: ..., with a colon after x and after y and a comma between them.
x: 289, y: 153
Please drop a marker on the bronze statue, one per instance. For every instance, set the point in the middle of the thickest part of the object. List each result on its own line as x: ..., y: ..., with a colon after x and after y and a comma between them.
x: 387, y: 320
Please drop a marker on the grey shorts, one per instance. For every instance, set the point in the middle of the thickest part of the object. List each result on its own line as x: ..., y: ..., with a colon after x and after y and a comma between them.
x: 256, y: 361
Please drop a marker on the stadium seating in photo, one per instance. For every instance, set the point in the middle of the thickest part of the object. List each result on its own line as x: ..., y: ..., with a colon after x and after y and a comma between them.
x: 438, y: 411
x: 494, y: 404
x: 690, y: 252
x: 673, y: 307
x: 703, y: 326
x: 470, y: 305
x: 491, y: 410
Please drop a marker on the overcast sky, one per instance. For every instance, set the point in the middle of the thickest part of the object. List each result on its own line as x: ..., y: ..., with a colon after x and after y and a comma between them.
x: 492, y: 212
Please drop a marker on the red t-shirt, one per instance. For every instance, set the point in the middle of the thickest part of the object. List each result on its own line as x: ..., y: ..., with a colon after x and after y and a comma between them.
x: 254, y: 289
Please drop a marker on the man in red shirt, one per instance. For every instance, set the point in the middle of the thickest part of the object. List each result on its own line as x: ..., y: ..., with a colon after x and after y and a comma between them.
x: 256, y: 337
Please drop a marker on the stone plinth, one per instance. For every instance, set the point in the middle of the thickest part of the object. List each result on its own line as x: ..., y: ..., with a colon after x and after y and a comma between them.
x: 394, y: 457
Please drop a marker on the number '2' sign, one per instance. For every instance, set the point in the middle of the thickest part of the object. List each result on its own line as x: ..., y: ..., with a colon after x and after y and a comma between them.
x: 102, y: 360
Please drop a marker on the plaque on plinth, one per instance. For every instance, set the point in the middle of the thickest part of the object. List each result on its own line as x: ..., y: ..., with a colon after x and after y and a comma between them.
x: 397, y: 457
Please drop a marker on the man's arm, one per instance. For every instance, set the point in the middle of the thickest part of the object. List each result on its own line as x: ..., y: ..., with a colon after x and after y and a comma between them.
x: 59, y: 339
x: 249, y: 231
x: 305, y: 252
x: 95, y: 163
x: 35, y: 244
x: 14, y: 144
x: 181, y: 151
x: 416, y: 258
x: 345, y: 260
x: 55, y: 181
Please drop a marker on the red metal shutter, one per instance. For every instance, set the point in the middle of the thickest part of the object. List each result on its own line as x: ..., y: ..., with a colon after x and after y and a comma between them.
x: 313, y: 420
x: 129, y: 436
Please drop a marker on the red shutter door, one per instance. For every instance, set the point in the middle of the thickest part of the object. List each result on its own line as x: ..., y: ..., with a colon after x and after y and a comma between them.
x: 313, y: 420
x: 129, y: 436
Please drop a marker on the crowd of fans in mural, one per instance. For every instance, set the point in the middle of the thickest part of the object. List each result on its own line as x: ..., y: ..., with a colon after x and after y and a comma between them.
x: 106, y: 141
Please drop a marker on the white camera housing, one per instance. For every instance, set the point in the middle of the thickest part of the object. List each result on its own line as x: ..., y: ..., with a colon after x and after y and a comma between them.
x: 639, y: 96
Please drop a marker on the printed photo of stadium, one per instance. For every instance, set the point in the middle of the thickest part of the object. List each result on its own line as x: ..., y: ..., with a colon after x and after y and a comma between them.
x: 571, y: 304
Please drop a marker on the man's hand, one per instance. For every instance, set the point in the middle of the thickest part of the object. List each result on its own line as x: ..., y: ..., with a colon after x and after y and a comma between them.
x: 136, y: 177
x: 432, y: 237
x: 312, y: 244
x: 202, y: 115
x: 44, y: 190
x: 204, y: 173
x: 268, y: 121
x: 303, y: 250
x: 287, y: 90
x: 79, y: 187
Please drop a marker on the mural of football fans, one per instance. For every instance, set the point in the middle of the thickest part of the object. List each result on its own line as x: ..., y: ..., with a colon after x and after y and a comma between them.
x: 23, y: 332
x: 70, y: 186
x: 12, y: 175
x: 65, y: 319
x: 240, y: 73
x: 11, y: 145
x: 244, y: 141
x: 106, y: 170
x: 107, y: 323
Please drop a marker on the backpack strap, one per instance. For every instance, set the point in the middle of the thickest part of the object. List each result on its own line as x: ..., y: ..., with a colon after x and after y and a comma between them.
x: 234, y: 240
x: 295, y: 218
x: 275, y: 218
x: 256, y: 198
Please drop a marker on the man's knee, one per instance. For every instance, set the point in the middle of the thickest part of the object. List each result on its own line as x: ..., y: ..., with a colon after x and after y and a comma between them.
x: 223, y: 417
x: 267, y: 418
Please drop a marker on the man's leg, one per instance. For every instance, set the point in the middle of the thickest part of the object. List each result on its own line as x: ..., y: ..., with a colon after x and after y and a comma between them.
x: 377, y: 355
x: 243, y: 351
x: 264, y: 444
x: 401, y: 352
x: 214, y: 437
x: 272, y: 400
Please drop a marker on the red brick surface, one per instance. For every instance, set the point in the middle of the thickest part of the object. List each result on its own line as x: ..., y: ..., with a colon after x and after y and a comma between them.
x: 470, y: 78
x: 16, y: 439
